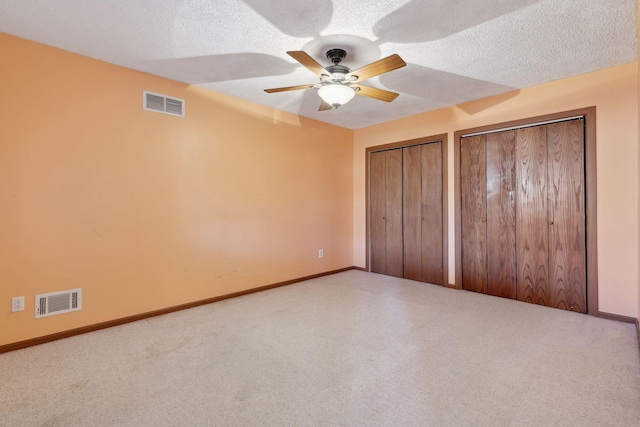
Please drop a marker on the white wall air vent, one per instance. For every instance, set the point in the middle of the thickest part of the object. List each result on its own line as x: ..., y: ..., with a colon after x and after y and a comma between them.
x: 162, y: 104
x: 58, y: 302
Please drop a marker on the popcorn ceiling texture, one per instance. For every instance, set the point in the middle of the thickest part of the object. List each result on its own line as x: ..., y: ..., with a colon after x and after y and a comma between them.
x: 456, y: 51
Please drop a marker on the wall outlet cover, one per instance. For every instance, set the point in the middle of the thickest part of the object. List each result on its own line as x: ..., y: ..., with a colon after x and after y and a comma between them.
x: 17, y: 304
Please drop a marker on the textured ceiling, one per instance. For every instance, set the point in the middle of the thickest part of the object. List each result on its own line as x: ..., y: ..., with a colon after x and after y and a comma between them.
x: 456, y: 50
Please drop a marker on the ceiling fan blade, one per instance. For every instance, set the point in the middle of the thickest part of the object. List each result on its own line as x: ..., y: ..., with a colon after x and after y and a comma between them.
x: 324, y: 107
x: 288, y: 88
x: 381, y: 66
x: 311, y: 64
x: 375, y: 93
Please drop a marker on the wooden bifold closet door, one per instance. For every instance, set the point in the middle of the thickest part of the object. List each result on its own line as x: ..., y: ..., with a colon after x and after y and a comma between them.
x: 422, y: 210
x: 406, y: 224
x: 523, y: 214
x: 386, y: 212
x: 488, y: 214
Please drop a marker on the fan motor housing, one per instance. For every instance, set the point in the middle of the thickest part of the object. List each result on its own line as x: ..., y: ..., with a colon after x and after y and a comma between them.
x: 338, y: 71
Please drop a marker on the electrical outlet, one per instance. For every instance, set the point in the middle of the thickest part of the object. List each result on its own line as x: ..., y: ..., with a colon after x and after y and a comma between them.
x: 17, y: 304
x: 321, y: 253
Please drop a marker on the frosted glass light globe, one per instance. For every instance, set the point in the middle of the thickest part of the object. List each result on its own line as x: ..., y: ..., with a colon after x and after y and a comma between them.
x: 336, y: 94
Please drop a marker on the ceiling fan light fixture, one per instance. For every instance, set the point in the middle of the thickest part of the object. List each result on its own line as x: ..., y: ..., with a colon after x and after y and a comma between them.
x: 336, y: 86
x: 336, y: 94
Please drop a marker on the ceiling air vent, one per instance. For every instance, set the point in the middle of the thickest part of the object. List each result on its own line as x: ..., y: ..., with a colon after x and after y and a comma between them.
x: 58, y: 302
x: 162, y: 104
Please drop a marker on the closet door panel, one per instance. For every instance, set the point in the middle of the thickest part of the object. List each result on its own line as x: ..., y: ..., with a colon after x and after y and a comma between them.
x: 567, y: 244
x: 412, y: 222
x: 432, y: 233
x: 378, y: 203
x: 532, y: 229
x: 393, y: 221
x: 473, y: 210
x: 501, y: 214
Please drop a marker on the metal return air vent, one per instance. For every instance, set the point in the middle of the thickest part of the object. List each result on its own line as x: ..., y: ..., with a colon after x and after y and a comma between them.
x: 58, y: 302
x: 162, y: 104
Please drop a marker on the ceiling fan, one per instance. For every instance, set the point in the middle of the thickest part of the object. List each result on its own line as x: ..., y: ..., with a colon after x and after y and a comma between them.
x: 338, y: 84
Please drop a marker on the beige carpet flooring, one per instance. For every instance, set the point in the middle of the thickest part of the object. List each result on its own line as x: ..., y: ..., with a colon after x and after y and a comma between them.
x: 352, y: 349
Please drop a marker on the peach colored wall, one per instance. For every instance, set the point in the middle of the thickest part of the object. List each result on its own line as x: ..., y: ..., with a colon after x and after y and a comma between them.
x: 614, y: 92
x: 144, y: 210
